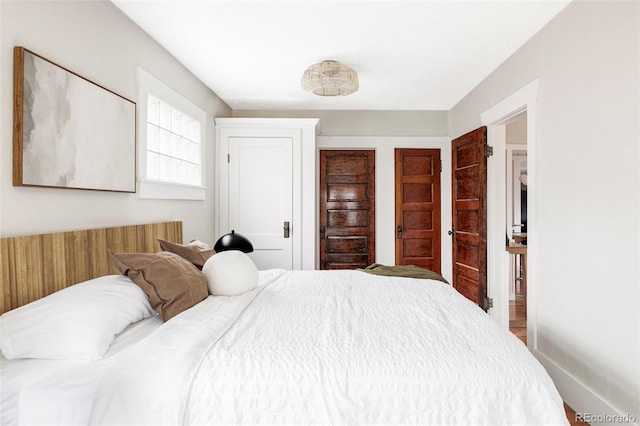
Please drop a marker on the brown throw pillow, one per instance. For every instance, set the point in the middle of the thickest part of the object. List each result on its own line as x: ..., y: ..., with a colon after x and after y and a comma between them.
x: 171, y: 282
x: 194, y: 253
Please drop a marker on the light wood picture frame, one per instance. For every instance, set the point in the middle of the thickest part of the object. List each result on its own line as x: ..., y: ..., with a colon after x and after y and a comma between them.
x: 68, y: 131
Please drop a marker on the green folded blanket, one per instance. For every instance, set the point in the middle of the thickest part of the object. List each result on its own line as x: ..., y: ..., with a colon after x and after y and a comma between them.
x: 408, y: 271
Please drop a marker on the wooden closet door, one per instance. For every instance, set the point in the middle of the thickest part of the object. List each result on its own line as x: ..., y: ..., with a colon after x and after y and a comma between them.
x: 418, y: 205
x: 347, y: 209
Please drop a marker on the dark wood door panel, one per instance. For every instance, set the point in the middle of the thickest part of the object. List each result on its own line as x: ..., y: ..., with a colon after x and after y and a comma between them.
x: 467, y: 282
x: 348, y: 218
x: 418, y: 209
x: 348, y: 244
x: 347, y: 202
x: 467, y: 220
x: 417, y: 164
x: 469, y: 210
x: 348, y: 192
x: 348, y: 165
x: 467, y: 185
x: 466, y: 152
x: 468, y: 252
x: 418, y: 248
x: 419, y: 192
x: 418, y: 220
x: 344, y: 261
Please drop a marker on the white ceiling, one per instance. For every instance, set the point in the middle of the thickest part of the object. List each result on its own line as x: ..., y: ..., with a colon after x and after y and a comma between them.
x: 409, y: 55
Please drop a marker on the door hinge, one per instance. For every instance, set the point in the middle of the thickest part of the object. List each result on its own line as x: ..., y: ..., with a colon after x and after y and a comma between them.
x: 228, y: 158
x: 440, y: 166
x: 488, y: 151
x: 487, y: 303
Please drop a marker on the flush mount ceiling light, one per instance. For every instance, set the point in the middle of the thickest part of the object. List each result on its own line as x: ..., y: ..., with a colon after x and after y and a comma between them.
x: 330, y: 78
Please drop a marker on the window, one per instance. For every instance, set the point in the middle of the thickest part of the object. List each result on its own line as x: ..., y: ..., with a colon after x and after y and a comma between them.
x: 173, y: 144
x: 171, y: 148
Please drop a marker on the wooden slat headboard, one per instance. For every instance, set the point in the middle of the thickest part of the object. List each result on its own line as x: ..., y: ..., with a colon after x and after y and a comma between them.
x: 35, y: 266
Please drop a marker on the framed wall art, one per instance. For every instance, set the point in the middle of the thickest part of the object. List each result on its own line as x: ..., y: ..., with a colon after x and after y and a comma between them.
x: 68, y: 131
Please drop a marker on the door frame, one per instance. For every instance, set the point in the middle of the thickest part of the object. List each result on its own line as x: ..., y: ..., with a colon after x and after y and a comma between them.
x: 495, y: 118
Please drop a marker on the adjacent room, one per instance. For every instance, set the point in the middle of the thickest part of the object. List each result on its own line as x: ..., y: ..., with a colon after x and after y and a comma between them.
x: 368, y: 212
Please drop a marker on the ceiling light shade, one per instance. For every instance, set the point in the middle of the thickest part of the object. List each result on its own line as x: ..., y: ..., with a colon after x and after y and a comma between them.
x: 523, y: 178
x: 330, y: 78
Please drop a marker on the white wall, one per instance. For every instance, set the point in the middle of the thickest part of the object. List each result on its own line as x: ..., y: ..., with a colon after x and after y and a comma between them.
x: 385, y: 187
x: 97, y: 41
x: 587, y: 195
x: 516, y: 131
x: 367, y: 123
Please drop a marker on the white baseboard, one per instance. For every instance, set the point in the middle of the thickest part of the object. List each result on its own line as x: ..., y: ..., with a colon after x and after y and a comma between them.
x: 582, y: 399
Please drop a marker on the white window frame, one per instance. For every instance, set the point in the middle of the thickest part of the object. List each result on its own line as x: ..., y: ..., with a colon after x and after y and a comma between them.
x: 156, y: 189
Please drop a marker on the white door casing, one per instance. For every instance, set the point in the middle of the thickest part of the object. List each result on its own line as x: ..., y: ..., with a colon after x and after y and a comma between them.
x: 524, y: 100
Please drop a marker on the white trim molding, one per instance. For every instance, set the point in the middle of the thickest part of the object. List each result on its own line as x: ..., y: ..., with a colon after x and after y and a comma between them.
x: 156, y: 189
x: 495, y: 119
x: 587, y: 404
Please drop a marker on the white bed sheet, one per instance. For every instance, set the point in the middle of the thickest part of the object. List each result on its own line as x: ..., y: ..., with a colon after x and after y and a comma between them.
x: 331, y: 347
x: 58, y: 392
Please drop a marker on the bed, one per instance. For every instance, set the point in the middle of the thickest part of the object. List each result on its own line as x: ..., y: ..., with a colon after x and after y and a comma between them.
x: 302, y: 347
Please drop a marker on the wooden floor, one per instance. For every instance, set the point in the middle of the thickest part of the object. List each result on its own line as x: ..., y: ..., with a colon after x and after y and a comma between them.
x: 571, y: 416
x: 518, y: 326
x: 518, y: 318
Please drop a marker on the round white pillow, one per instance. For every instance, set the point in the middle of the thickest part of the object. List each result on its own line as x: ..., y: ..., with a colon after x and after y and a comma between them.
x: 230, y: 273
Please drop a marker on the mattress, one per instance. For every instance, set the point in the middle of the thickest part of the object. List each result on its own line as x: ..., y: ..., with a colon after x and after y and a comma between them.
x: 330, y: 347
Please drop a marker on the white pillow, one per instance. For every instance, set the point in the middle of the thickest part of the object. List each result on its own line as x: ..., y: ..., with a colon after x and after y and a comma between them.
x: 230, y: 273
x: 78, y: 322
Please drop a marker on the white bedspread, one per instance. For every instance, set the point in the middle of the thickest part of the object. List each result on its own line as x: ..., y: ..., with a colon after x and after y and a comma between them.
x: 331, y: 347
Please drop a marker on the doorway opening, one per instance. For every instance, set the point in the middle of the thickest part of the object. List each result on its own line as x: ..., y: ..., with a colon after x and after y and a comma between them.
x: 516, y: 222
x: 522, y: 102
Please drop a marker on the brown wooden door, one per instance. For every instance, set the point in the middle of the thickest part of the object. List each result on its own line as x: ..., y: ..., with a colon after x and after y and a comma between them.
x: 347, y: 215
x: 418, y: 229
x: 469, y: 196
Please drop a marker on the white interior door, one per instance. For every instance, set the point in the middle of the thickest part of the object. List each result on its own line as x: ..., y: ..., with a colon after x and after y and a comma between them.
x: 261, y: 197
